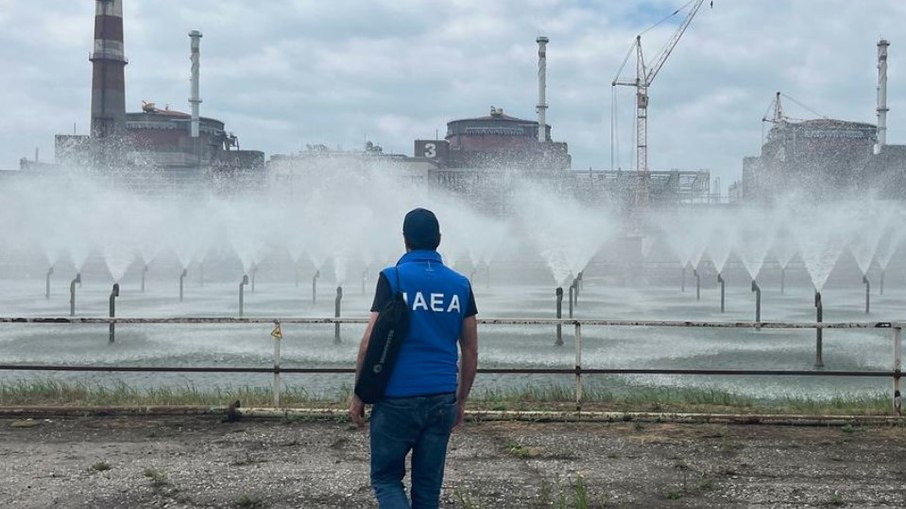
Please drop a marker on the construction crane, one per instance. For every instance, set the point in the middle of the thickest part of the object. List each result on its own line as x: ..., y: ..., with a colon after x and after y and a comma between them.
x: 645, y: 75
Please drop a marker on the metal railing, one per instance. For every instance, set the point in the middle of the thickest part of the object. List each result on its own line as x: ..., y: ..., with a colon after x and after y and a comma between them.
x: 578, y: 370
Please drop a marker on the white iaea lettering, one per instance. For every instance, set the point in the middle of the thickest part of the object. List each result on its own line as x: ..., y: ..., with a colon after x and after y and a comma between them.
x: 439, y: 302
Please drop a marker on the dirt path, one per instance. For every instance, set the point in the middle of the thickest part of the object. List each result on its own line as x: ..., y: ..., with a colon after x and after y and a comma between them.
x: 199, y: 461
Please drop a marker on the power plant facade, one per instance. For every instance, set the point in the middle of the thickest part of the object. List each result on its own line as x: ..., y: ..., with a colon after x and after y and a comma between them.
x: 177, y: 143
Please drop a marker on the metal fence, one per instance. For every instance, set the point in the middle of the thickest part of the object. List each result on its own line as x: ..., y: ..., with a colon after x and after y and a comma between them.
x: 577, y: 371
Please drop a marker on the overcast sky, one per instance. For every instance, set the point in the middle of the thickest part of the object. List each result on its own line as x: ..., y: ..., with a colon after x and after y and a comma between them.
x: 283, y: 74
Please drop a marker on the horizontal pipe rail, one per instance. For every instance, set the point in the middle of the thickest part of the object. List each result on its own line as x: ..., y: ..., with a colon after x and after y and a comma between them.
x: 484, y: 321
x: 498, y: 371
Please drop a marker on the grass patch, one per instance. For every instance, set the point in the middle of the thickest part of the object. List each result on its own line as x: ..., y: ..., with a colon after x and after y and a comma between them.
x: 101, y: 466
x: 51, y: 392
x: 158, y: 477
x: 249, y: 502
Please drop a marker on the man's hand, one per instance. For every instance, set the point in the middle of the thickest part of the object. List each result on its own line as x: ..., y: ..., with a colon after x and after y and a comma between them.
x: 460, y: 415
x: 357, y: 411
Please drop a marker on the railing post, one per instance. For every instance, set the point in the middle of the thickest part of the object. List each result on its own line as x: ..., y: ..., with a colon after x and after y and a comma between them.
x: 897, y: 365
x: 278, y: 336
x: 78, y: 279
x: 578, y: 367
x: 113, y: 295
x: 559, y: 293
x: 819, y: 317
x: 336, y: 313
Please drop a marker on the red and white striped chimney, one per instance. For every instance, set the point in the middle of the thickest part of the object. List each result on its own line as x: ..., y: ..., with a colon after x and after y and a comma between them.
x: 108, y: 86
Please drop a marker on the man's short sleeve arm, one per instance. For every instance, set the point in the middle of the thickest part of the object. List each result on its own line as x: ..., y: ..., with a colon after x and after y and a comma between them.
x: 382, y: 294
x: 471, y: 308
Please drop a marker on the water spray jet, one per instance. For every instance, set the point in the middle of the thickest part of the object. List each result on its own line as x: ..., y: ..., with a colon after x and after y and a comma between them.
x: 881, y: 287
x: 336, y: 313
x: 782, y: 279
x: 47, y: 283
x: 77, y: 279
x: 720, y: 279
x: 683, y: 285
x: 757, y: 290
x: 245, y: 281
x: 182, y: 277
x: 144, y: 272
x: 113, y: 295
x: 559, y: 294
x: 867, y: 293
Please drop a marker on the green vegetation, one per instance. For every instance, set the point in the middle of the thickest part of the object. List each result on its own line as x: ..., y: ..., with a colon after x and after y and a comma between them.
x: 100, y: 466
x: 158, y: 477
x: 596, y: 397
x: 249, y: 502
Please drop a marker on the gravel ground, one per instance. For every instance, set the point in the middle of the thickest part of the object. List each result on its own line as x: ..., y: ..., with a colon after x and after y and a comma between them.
x: 200, y: 461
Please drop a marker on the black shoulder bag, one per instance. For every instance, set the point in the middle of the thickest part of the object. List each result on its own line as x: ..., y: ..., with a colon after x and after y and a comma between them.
x: 387, y: 336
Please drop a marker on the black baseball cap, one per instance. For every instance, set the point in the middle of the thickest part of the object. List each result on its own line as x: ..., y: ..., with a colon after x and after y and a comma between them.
x: 421, y: 229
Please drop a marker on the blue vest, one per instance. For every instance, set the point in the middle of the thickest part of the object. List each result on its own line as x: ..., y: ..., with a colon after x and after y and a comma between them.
x: 438, y: 299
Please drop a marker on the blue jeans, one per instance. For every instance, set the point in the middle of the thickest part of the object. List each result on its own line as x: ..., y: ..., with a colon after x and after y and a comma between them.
x: 419, y: 424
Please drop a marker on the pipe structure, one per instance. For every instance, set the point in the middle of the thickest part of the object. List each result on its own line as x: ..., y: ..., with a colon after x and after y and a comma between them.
x: 254, y: 273
x: 47, y: 283
x: 245, y: 281
x: 144, y: 272
x: 113, y: 295
x: 108, y: 89
x: 542, y: 86
x: 782, y: 278
x: 882, y: 95
x: 580, y: 281
x: 336, y: 313
x: 867, y: 293
x: 576, y: 291
x: 757, y: 290
x: 314, y: 287
x: 182, y: 277
x: 195, y: 99
x: 572, y: 295
x: 559, y: 293
x: 698, y: 285
x: 720, y: 279
x: 882, y: 282
x: 77, y: 279
x: 819, y: 339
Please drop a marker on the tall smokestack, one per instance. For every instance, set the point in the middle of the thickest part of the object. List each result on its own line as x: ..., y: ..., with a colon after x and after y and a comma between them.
x: 108, y: 87
x: 195, y: 100
x: 542, y: 87
x: 882, y: 95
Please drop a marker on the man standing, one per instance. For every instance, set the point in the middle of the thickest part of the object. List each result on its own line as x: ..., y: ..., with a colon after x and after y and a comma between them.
x: 425, y: 399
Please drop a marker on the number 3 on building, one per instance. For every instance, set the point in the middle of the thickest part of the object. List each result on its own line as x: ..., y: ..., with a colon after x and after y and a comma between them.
x: 430, y: 150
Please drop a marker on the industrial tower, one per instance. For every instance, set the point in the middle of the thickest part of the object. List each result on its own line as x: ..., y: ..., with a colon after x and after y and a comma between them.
x: 108, y: 88
x: 645, y: 75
